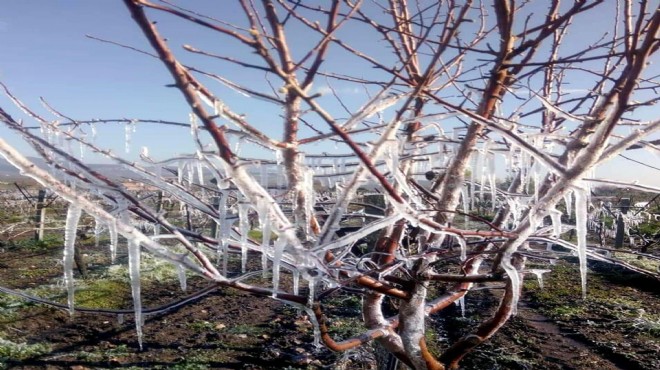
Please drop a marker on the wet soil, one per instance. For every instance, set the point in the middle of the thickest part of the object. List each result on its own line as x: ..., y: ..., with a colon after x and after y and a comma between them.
x: 616, y: 327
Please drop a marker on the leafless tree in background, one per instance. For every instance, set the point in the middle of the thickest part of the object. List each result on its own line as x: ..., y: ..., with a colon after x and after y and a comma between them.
x: 465, y: 87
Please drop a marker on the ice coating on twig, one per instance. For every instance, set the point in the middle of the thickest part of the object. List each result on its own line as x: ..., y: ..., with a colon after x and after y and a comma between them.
x: 514, y: 278
x: 72, y: 218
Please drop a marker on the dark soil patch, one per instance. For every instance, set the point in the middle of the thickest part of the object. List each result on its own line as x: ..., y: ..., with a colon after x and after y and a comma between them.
x: 616, y: 327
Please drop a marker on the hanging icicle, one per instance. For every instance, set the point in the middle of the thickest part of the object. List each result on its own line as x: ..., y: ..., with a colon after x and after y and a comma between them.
x: 72, y: 217
x: 243, y: 228
x: 112, y: 230
x: 134, y: 275
x: 581, y: 227
x: 181, y: 273
x: 277, y: 259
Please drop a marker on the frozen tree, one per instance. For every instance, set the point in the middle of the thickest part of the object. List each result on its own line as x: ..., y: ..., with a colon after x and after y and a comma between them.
x: 431, y: 104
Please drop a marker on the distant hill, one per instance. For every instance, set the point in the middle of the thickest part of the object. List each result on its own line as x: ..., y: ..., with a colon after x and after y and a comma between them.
x: 9, y: 173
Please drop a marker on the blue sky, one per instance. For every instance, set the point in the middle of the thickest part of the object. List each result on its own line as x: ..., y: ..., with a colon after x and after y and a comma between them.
x: 45, y: 53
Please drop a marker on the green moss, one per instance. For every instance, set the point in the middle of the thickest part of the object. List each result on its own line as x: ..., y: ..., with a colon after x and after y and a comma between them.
x: 256, y: 235
x: 109, y: 294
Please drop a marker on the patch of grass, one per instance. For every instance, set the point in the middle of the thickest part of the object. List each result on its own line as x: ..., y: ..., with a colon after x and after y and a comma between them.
x: 103, y: 354
x: 346, y: 327
x: 151, y: 269
x: 48, y: 242
x: 107, y: 294
x: 21, y: 351
x: 645, y: 263
x: 647, y: 324
x: 247, y: 329
x: 202, y: 325
x: 566, y: 312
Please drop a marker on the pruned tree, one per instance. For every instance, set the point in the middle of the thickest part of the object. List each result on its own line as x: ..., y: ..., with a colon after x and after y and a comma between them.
x: 445, y: 98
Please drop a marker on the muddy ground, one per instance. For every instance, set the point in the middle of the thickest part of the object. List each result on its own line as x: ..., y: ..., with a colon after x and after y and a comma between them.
x: 616, y: 327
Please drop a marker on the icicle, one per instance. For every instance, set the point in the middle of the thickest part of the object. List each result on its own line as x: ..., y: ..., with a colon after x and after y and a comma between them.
x: 472, y: 185
x: 127, y: 137
x: 193, y: 124
x: 512, y: 272
x: 483, y: 169
x: 181, y: 272
x: 112, y: 230
x: 264, y: 222
x: 97, y: 232
x: 244, y: 228
x: 555, y: 216
x: 315, y: 325
x: 134, y: 274
x: 308, y: 191
x: 463, y: 246
x: 278, y: 157
x: 461, y: 302
x: 190, y: 174
x: 277, y: 259
x: 72, y: 218
x: 200, y: 172
x: 225, y: 256
x: 92, y: 128
x: 464, y: 200
x: 581, y: 226
x: 179, y: 171
x: 312, y: 292
x: 539, y: 275
x: 296, y: 281
x: 222, y: 228
x: 237, y: 146
x: 569, y: 202
x: 120, y: 318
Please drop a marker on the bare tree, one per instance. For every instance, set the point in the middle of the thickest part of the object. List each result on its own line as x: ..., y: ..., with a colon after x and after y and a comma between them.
x: 461, y: 88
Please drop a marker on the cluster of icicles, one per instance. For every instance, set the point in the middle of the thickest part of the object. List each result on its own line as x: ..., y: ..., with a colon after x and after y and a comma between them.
x: 252, y: 186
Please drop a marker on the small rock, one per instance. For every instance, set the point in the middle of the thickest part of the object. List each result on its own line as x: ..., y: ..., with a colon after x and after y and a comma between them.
x: 220, y: 326
x: 299, y: 350
x: 302, y: 360
x: 78, y: 367
x: 114, y: 362
x: 242, y: 336
x: 316, y: 363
